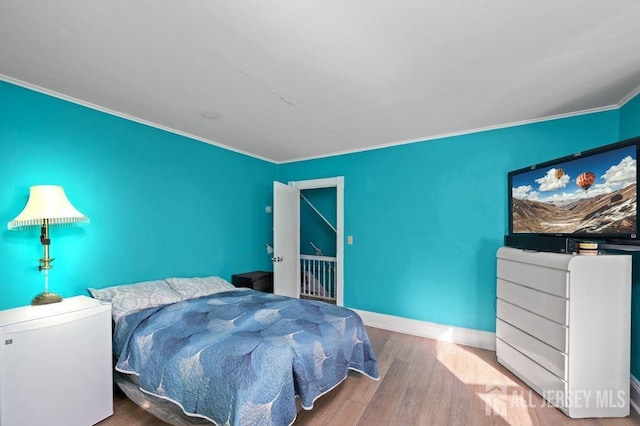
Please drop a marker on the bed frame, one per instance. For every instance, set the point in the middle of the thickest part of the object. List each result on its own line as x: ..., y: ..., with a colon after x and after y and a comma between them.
x: 166, y: 411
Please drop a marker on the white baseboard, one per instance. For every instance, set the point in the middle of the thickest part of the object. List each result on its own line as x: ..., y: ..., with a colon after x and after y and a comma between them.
x: 446, y: 333
x: 634, y: 397
x: 459, y: 335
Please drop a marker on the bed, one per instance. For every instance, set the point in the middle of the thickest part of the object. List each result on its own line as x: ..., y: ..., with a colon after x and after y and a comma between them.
x: 233, y: 356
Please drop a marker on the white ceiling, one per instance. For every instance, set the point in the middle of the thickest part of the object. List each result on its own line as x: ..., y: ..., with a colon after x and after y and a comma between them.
x: 291, y: 79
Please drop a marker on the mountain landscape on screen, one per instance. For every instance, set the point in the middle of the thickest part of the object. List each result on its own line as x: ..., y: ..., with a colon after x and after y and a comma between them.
x: 613, y: 213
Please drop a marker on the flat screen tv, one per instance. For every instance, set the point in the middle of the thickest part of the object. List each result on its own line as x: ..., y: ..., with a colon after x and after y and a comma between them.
x: 589, y: 195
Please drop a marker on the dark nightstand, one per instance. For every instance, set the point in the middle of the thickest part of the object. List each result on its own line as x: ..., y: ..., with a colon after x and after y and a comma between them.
x: 257, y: 280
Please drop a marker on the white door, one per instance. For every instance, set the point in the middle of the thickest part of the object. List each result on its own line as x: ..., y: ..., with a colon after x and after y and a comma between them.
x: 286, y: 240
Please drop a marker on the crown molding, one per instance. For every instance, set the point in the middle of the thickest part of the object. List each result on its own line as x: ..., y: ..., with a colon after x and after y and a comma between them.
x: 635, y: 92
x: 119, y: 114
x: 461, y: 133
x: 109, y: 111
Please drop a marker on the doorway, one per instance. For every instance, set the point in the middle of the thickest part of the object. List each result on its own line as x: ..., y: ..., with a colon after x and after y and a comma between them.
x: 316, y: 274
x: 322, y: 274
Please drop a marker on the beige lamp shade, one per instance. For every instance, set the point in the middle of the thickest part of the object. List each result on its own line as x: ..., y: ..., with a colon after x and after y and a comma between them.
x: 47, y: 202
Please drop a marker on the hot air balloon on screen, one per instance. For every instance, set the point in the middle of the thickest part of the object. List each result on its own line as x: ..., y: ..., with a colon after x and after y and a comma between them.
x: 558, y: 173
x: 585, y: 180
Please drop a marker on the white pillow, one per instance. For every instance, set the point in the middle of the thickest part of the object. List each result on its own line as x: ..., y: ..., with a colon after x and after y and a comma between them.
x: 190, y: 288
x: 129, y: 298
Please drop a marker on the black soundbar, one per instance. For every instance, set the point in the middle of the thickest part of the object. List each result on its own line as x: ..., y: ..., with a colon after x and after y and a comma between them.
x: 542, y: 243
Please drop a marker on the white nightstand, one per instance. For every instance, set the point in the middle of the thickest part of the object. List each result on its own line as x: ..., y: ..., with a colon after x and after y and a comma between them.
x: 56, y: 364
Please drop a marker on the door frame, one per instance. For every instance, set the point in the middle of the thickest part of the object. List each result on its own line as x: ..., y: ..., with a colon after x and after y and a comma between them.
x: 338, y: 183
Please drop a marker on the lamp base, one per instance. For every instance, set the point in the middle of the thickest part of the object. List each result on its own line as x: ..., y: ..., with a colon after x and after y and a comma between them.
x: 46, y: 298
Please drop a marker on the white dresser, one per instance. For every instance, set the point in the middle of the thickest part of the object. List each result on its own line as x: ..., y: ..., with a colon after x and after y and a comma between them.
x: 56, y: 364
x: 563, y: 327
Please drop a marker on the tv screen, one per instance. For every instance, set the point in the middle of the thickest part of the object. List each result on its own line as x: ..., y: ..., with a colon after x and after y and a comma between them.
x: 592, y: 194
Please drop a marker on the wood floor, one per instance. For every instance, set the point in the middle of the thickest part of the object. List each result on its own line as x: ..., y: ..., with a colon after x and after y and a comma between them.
x: 422, y: 382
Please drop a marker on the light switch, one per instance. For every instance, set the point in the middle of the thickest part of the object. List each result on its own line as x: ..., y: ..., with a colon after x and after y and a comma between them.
x: 349, y: 239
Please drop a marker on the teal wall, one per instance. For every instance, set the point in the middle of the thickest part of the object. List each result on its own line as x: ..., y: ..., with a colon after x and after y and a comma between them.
x: 630, y: 119
x: 312, y: 227
x: 160, y: 204
x: 427, y: 218
x: 630, y: 127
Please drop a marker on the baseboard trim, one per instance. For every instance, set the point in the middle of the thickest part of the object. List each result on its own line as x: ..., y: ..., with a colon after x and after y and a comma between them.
x: 634, y: 396
x: 446, y: 333
x: 459, y: 335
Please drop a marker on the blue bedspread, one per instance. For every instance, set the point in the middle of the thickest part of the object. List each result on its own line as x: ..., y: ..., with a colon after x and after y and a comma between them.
x: 240, y: 357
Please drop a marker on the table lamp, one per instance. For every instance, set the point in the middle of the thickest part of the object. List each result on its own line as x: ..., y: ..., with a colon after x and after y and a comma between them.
x: 47, y: 205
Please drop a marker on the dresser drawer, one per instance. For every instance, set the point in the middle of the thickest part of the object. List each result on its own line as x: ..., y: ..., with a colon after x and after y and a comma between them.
x: 540, y: 379
x: 548, y: 357
x: 547, y: 305
x: 550, y: 332
x: 549, y: 280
